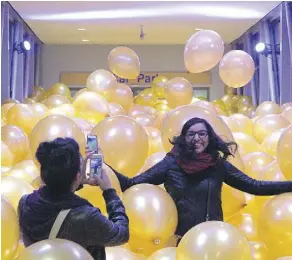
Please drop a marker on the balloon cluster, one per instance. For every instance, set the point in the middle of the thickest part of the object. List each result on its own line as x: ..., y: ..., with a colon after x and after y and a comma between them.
x: 134, y: 135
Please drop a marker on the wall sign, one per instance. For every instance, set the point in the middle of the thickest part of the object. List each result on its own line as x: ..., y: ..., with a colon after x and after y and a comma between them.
x: 145, y: 78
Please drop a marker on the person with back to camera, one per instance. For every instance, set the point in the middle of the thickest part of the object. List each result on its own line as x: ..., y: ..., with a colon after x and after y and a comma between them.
x: 193, y: 174
x: 42, y: 212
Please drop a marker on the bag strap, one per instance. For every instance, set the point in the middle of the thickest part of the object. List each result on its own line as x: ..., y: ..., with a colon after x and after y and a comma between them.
x: 58, y: 223
x: 208, y: 200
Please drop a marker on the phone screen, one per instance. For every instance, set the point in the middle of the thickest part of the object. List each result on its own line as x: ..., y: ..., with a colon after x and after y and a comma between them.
x: 92, y: 143
x: 96, y: 164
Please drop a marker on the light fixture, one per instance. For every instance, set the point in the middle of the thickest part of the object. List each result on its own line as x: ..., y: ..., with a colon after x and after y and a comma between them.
x: 22, y: 47
x: 260, y: 47
x: 81, y: 29
x: 266, y: 49
x: 85, y: 40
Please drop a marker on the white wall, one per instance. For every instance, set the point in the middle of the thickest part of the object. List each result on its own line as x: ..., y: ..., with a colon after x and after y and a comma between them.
x: 86, y: 58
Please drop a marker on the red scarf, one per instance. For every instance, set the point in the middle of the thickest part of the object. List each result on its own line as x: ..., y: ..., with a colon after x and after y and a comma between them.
x: 201, y: 163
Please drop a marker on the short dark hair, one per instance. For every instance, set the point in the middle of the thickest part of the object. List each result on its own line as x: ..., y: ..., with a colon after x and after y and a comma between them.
x: 60, y: 163
x: 217, y: 148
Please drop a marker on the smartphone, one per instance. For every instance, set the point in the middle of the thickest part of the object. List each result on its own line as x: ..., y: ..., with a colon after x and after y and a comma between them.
x: 92, y: 143
x: 96, y: 162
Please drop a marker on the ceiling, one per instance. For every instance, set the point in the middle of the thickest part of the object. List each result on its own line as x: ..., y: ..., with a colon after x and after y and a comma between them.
x: 108, y: 22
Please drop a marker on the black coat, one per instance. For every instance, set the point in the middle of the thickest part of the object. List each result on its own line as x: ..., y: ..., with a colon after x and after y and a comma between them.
x: 190, y: 192
x: 84, y: 225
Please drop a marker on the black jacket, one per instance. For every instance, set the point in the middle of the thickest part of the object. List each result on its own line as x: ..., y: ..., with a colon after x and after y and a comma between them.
x: 84, y: 224
x: 190, y: 192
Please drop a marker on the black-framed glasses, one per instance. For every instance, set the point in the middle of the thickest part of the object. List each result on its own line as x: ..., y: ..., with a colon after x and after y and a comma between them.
x: 201, y: 134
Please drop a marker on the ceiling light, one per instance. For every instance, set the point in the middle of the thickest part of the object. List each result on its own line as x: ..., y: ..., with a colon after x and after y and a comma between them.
x: 260, y: 47
x: 81, y: 29
x: 23, y: 46
x: 85, y: 40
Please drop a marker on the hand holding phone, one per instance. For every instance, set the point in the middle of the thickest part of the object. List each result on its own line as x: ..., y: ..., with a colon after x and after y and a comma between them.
x: 96, y: 159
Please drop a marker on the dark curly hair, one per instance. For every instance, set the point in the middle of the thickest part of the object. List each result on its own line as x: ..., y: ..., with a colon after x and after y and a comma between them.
x: 60, y: 163
x: 217, y: 148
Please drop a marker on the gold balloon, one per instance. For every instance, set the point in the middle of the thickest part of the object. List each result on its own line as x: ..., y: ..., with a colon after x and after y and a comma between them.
x: 9, y: 230
x: 55, y: 101
x: 39, y: 110
x: 244, y: 101
x: 25, y: 170
x: 270, y: 143
x: 20, y: 248
x: 139, y: 109
x: 6, y: 155
x: 159, y: 120
x: 55, y: 126
x: 116, y: 109
x: 246, y: 224
x: 60, y: 89
x: 10, y: 100
x: 232, y: 125
x: 246, y: 109
x: 38, y: 94
x: 178, y: 92
x: 213, y: 240
x: 203, y: 51
x: 120, y: 132
x: 79, y: 92
x: 232, y: 110
x: 206, y: 104
x: 236, y: 68
x: 155, y: 228
x: 37, y: 183
x: 28, y: 101
x: 13, y: 189
x: 84, y: 125
x: 168, y: 253
x: 55, y: 249
x: 94, y: 194
x: 287, y: 113
x: 146, y: 98
x: 253, y: 120
x: 158, y: 85
x: 259, y: 251
x: 251, y: 112
x: 155, y: 140
x: 272, y: 172
x: 22, y: 116
x: 119, y: 253
x: 268, y: 108
x: 101, y: 82
x: 233, y: 200
x: 266, y: 125
x: 91, y: 106
x: 275, y: 225
x: 244, y: 123
x: 124, y: 62
x: 16, y: 140
x: 286, y: 106
x: 285, y: 258
x: 121, y: 94
x: 175, y: 120
x: 64, y: 109
x: 246, y: 143
x: 284, y: 152
x: 219, y: 104
x: 228, y: 100
x: 152, y: 160
x: 255, y: 162
x: 145, y: 120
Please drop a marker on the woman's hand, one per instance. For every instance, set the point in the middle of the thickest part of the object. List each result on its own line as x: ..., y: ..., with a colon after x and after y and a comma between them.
x: 101, y: 180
